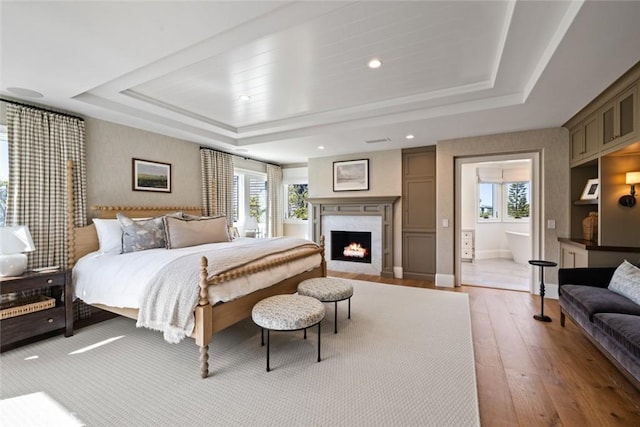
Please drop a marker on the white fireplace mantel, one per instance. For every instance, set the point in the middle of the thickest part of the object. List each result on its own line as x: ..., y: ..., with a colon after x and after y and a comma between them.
x: 381, y: 206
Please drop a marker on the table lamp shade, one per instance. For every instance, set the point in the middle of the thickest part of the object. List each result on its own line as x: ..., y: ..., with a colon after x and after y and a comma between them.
x: 14, y: 241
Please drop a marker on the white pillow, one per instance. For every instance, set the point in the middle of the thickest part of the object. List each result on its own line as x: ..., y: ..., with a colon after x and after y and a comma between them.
x: 109, y: 235
x: 626, y: 281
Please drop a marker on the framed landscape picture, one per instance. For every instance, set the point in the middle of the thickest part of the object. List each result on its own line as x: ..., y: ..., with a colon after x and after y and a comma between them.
x: 352, y: 175
x: 151, y: 176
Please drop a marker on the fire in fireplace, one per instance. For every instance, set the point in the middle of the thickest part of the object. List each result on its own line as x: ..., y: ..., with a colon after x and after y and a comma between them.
x: 354, y: 246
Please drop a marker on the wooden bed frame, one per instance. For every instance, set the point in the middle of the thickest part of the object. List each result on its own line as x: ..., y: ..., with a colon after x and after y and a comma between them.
x: 208, y: 319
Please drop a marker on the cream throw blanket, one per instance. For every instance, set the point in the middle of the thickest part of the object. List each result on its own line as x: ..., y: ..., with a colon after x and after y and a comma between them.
x: 172, y: 295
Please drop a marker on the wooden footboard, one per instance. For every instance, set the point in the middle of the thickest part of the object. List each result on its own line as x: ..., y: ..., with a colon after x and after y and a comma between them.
x: 208, y: 319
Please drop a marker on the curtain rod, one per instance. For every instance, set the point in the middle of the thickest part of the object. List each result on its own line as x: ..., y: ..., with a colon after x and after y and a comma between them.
x: 242, y: 157
x: 10, y: 101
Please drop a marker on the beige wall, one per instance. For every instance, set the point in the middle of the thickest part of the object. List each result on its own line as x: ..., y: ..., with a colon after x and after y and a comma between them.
x: 553, y: 147
x: 385, y: 179
x: 110, y: 148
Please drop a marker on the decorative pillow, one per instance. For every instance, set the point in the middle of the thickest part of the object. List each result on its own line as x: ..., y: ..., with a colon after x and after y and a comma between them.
x: 182, y: 233
x: 109, y: 235
x: 139, y: 235
x: 626, y: 281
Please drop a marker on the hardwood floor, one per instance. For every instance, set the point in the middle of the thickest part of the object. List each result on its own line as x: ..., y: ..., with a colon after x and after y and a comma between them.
x: 533, y: 373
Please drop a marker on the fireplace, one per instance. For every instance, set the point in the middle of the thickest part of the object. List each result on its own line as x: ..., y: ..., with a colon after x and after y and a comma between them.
x: 352, y: 246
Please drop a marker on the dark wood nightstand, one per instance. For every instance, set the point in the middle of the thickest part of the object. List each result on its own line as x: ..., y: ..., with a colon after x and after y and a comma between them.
x: 18, y: 330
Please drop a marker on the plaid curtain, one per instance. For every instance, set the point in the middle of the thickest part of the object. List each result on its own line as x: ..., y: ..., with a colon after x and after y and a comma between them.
x: 217, y: 183
x: 275, y: 201
x: 40, y: 144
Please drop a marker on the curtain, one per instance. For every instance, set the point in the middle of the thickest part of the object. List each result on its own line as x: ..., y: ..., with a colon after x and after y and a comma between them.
x: 275, y: 201
x: 217, y: 183
x: 40, y: 144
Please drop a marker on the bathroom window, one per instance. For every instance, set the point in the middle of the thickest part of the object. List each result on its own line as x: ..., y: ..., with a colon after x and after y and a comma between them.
x: 517, y: 197
x: 504, y: 202
x: 489, y: 195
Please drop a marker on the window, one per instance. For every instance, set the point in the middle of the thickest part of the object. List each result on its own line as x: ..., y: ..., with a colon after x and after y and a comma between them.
x: 249, y: 196
x: 518, y: 197
x: 488, y: 201
x: 297, y: 207
x: 4, y: 173
x: 509, y: 201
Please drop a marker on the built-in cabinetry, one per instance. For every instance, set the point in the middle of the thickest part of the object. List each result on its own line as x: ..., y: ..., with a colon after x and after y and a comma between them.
x: 419, y: 213
x: 619, y: 118
x: 576, y: 253
x: 584, y: 140
x: 466, y: 246
x: 604, y: 145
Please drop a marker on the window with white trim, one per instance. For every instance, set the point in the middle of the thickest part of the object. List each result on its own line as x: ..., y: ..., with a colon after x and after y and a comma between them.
x: 297, y: 207
x: 249, y: 196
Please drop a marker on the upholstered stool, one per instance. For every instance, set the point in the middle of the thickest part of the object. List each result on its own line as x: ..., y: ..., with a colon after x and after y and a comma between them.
x: 328, y: 289
x: 287, y: 313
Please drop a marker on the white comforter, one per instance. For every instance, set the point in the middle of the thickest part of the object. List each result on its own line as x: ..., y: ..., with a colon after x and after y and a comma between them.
x: 122, y: 280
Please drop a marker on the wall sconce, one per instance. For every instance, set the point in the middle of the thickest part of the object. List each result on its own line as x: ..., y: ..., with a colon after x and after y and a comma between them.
x: 629, y: 200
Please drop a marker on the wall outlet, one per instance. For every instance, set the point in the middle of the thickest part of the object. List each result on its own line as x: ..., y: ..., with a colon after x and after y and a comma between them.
x: 445, y: 223
x: 551, y: 224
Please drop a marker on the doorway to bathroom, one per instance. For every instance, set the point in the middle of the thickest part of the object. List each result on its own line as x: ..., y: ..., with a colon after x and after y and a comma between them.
x: 496, y: 224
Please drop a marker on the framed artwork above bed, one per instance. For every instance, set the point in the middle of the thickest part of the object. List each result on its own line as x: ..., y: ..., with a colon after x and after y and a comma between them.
x: 148, y: 175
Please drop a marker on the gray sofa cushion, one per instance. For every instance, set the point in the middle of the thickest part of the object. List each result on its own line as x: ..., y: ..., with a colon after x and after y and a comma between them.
x: 590, y: 300
x: 622, y: 328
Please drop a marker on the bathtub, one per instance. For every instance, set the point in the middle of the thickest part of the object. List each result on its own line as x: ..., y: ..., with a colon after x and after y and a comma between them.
x: 520, y: 246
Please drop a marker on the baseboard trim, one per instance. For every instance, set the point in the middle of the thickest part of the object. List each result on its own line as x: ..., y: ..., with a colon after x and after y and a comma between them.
x: 445, y: 280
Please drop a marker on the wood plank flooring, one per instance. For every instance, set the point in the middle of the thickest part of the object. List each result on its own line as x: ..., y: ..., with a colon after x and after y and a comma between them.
x: 532, y: 373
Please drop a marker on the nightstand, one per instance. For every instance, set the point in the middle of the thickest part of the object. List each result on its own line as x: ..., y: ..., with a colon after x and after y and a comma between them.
x: 18, y: 330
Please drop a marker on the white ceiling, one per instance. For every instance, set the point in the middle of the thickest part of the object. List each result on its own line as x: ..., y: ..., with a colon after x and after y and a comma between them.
x: 450, y: 68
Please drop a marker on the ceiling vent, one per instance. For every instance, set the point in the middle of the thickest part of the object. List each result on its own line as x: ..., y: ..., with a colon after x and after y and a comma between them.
x: 375, y: 141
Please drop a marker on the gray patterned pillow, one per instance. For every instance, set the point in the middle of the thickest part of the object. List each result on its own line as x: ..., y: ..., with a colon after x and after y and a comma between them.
x: 141, y: 234
x: 626, y: 281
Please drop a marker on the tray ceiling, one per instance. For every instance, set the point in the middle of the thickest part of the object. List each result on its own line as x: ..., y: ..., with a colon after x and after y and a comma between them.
x: 180, y: 68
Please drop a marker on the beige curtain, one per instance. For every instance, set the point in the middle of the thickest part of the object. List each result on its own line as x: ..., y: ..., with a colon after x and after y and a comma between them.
x: 217, y: 183
x: 275, y: 202
x: 40, y: 144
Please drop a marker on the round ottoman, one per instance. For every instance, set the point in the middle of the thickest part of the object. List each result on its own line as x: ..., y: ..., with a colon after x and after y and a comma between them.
x: 287, y: 313
x: 328, y: 289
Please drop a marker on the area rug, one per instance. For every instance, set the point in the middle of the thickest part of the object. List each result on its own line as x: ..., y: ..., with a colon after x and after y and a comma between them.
x: 404, y: 358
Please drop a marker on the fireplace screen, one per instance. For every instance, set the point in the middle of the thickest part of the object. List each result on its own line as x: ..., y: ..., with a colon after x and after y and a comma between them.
x: 354, y: 246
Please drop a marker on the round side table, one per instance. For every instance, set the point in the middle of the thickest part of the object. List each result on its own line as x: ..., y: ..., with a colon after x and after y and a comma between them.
x: 542, y: 264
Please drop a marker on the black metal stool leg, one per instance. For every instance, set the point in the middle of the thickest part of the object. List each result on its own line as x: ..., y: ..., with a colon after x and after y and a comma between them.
x: 335, y: 317
x: 349, y: 316
x: 262, y: 337
x: 268, y: 368
x: 305, y: 333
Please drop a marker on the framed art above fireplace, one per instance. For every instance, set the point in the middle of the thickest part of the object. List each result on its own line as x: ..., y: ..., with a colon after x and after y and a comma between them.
x: 351, y: 175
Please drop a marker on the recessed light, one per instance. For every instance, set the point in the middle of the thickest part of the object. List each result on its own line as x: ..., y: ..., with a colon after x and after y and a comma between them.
x: 245, y: 98
x: 375, y: 63
x: 320, y: 147
x: 410, y: 136
x: 24, y: 92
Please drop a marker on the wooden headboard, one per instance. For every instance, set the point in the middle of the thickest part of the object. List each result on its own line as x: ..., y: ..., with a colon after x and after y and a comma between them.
x: 84, y: 240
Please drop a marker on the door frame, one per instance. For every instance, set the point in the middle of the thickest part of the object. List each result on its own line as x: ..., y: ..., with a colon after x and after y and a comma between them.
x: 537, y: 208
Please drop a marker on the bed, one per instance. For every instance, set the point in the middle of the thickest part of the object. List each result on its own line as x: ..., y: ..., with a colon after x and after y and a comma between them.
x: 208, y: 318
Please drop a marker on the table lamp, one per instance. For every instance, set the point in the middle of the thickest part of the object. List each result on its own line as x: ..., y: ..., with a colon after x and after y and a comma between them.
x: 14, y: 241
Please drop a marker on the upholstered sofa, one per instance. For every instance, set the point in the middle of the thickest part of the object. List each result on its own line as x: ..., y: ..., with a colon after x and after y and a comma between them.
x: 609, y: 319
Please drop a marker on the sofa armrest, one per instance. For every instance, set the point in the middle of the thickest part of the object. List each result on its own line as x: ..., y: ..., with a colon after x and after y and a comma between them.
x: 591, y: 276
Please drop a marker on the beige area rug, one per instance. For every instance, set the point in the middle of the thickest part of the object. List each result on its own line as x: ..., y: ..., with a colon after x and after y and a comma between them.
x: 405, y: 358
